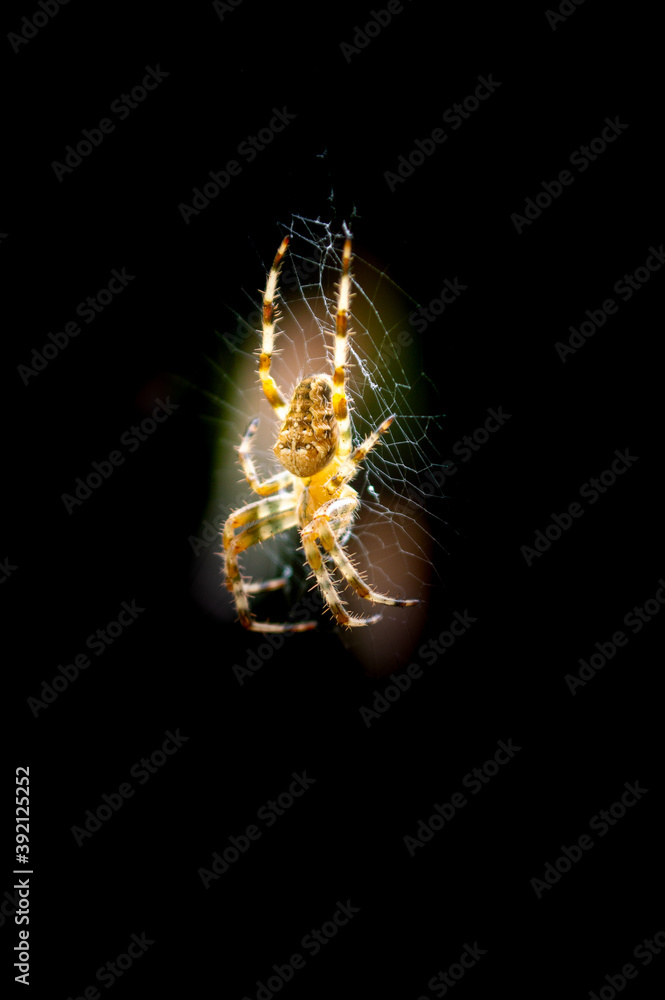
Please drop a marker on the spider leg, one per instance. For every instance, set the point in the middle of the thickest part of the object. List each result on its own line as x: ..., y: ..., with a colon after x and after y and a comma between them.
x: 331, y: 516
x: 269, y: 486
x: 269, y: 317
x: 351, y: 575
x: 261, y: 586
x: 253, y: 511
x: 349, y: 467
x: 342, y: 332
x: 265, y: 519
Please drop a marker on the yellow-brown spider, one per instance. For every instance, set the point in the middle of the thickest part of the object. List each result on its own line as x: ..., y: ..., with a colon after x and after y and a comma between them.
x: 312, y: 491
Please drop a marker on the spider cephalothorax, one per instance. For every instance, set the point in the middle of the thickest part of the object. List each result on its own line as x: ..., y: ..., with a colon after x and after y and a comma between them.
x: 312, y: 491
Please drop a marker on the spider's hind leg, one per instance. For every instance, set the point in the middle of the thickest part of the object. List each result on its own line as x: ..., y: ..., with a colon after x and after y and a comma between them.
x: 329, y: 526
x: 264, y: 519
x: 335, y: 515
x: 262, y: 586
x: 353, y: 577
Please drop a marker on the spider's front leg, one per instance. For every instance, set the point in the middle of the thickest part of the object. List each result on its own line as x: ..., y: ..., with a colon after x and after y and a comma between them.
x: 268, y: 325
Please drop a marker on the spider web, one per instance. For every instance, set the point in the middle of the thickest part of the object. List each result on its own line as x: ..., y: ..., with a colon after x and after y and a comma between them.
x: 394, y: 537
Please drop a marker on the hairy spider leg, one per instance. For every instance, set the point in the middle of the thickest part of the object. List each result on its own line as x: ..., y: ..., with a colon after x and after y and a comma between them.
x: 344, y: 564
x: 256, y: 511
x: 268, y: 486
x: 342, y: 333
x: 265, y: 488
x: 261, y: 586
x: 349, y: 467
x: 323, y: 525
x: 279, y: 515
x: 332, y: 515
x: 269, y: 318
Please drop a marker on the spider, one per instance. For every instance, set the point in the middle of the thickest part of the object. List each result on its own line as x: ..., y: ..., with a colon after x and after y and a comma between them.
x: 312, y: 491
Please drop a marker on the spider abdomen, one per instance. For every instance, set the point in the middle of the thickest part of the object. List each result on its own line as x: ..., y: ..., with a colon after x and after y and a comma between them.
x: 309, y: 438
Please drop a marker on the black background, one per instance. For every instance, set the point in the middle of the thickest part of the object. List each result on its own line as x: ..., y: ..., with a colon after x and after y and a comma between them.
x: 173, y: 669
